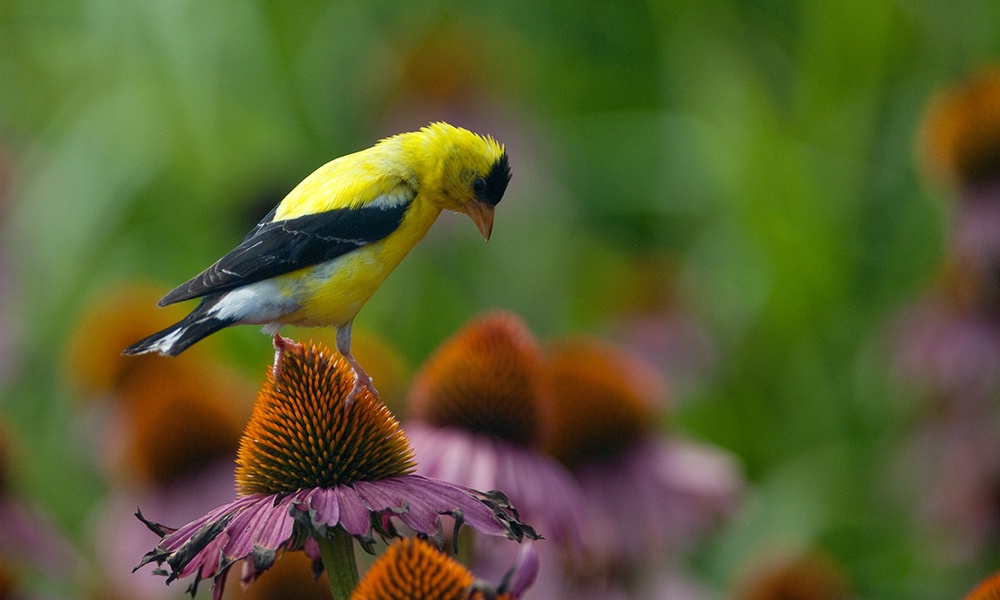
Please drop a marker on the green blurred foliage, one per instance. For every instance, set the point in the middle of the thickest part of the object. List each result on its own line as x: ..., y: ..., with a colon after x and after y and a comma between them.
x: 766, y: 147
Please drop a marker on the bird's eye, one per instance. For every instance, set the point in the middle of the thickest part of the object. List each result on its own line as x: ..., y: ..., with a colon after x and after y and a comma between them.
x: 479, y: 186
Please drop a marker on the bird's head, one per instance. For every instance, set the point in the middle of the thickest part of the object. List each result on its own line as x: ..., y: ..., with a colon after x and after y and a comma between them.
x: 462, y: 171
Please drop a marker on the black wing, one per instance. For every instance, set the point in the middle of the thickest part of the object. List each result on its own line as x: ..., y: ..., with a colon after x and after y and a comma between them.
x: 277, y: 247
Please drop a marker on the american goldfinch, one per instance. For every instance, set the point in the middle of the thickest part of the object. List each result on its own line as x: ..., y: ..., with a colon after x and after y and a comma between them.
x: 321, y: 253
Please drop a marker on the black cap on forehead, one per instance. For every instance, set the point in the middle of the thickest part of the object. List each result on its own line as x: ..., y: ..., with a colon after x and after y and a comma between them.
x: 496, y: 181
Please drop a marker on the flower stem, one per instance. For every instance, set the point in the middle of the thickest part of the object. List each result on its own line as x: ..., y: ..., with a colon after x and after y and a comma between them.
x: 466, y: 551
x: 341, y: 567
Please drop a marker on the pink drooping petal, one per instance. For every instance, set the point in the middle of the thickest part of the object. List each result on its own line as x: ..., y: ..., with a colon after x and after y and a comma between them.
x: 355, y: 516
x: 256, y: 527
x: 525, y: 571
x: 245, y: 526
x: 275, y: 529
x: 179, y: 537
x: 323, y: 506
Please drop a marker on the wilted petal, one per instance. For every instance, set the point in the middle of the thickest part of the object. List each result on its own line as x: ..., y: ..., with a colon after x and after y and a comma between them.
x: 174, y: 540
x: 206, y: 563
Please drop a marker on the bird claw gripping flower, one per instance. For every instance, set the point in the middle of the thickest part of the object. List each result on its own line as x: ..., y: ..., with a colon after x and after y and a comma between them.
x: 321, y: 253
x: 310, y: 468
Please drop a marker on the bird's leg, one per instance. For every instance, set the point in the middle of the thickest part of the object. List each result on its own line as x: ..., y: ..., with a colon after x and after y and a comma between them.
x: 361, y: 379
x: 281, y: 344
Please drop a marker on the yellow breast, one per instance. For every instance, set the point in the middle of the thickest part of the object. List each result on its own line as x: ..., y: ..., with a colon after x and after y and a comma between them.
x: 332, y: 293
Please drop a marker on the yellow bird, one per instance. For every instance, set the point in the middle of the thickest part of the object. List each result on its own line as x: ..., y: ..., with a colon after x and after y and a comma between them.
x: 321, y: 253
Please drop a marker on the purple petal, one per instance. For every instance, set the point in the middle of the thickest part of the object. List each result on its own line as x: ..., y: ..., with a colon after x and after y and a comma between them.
x: 454, y: 455
x: 418, y: 501
x: 180, y: 537
x: 525, y: 571
x: 543, y: 491
x: 311, y: 548
x: 677, y: 488
x: 255, y: 527
x: 244, y: 526
x: 355, y: 517
x: 442, y: 497
x: 396, y: 495
x: 324, y: 507
x: 205, y: 563
x: 276, y: 527
x: 252, y: 526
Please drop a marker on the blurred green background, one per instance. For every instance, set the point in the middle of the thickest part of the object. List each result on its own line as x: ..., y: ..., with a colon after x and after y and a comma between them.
x: 763, y: 149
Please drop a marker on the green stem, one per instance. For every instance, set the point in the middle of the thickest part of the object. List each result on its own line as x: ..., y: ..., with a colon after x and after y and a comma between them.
x: 466, y: 541
x: 339, y: 563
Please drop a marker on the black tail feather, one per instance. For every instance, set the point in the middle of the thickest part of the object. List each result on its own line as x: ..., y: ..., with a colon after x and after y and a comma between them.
x: 180, y: 336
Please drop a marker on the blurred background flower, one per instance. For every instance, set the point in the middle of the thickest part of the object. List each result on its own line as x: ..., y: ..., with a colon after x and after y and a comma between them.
x: 949, y: 343
x: 988, y: 588
x: 803, y: 576
x: 31, y: 545
x: 479, y: 416
x: 649, y: 496
x: 740, y: 172
x: 162, y: 433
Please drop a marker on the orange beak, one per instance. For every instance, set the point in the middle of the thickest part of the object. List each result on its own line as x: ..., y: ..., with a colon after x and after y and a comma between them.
x: 482, y: 215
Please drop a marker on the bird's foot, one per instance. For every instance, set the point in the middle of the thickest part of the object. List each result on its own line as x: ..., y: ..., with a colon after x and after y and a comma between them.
x: 281, y: 344
x: 361, y: 381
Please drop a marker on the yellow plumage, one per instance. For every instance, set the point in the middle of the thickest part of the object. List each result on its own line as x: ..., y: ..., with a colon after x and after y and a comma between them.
x: 440, y: 159
x: 334, y: 239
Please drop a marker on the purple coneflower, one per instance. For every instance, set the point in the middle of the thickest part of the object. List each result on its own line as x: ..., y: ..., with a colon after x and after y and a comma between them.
x: 415, y: 570
x: 314, y: 473
x: 647, y: 493
x: 478, y: 418
x: 961, y: 144
x: 606, y: 434
x: 165, y: 431
x: 949, y: 342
